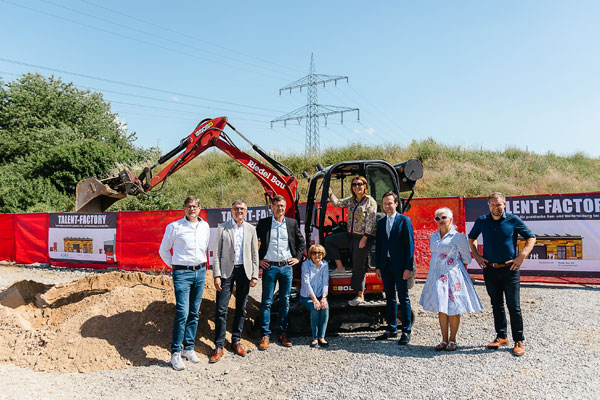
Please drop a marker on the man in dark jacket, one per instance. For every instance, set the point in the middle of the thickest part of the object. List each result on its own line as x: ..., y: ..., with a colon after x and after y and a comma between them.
x: 281, y: 247
x: 395, y: 249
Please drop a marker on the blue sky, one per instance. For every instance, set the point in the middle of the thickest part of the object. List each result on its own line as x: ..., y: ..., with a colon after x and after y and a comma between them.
x: 490, y: 74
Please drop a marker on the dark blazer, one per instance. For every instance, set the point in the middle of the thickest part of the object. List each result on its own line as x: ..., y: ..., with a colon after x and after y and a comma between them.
x: 400, y: 244
x: 295, y: 238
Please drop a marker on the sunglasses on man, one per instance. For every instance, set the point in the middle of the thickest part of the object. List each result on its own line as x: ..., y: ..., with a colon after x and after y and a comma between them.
x: 443, y: 217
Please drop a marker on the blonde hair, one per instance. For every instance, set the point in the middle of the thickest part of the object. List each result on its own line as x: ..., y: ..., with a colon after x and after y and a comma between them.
x: 316, y: 249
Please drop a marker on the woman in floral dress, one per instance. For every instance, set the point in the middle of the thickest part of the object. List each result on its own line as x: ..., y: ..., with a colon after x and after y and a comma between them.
x: 448, y: 289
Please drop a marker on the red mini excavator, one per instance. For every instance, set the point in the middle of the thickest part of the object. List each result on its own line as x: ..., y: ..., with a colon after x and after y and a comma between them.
x: 319, y: 220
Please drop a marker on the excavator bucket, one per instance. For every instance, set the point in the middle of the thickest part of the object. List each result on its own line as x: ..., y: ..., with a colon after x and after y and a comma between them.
x: 95, y: 196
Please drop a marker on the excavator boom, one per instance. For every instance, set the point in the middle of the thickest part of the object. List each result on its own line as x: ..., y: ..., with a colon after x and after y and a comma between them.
x: 94, y: 195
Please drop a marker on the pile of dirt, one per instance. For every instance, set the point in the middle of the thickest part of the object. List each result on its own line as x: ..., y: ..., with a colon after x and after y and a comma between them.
x: 104, y: 321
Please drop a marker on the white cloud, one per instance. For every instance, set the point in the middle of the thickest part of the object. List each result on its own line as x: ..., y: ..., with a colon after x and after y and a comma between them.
x: 368, y: 131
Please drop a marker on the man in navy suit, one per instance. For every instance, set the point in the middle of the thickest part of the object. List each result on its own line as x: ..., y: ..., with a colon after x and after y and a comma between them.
x: 395, y: 249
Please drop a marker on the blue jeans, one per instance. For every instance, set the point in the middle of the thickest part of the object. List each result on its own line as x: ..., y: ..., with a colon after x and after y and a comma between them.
x: 392, y: 284
x: 501, y: 283
x: 189, y: 286
x: 318, y: 318
x: 270, y: 276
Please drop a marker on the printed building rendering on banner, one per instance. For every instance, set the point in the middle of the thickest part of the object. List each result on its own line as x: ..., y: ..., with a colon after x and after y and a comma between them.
x: 85, y: 238
x: 567, y: 230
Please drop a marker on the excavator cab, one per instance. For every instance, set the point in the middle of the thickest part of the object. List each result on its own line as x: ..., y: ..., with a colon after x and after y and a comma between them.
x: 323, y: 219
x: 382, y: 177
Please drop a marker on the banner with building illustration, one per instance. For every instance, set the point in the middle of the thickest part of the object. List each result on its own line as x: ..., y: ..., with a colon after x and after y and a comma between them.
x: 567, y: 229
x: 82, y: 238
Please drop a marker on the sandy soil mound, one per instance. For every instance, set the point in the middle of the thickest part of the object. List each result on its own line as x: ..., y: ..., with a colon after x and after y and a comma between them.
x: 105, y: 321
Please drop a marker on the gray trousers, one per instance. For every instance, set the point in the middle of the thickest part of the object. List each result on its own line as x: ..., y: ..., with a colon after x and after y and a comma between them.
x: 345, y: 240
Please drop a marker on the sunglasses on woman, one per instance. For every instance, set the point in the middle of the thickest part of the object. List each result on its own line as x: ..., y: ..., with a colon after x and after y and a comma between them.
x: 443, y: 217
x: 357, y: 183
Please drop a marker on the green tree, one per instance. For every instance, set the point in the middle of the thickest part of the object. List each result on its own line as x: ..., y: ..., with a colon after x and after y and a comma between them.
x: 51, y: 136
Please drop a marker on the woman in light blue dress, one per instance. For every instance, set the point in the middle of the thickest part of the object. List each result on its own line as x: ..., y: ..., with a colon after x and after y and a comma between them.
x: 448, y: 289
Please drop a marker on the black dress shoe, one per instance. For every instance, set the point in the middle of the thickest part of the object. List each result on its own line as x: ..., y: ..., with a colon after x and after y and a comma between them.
x: 387, y: 335
x: 404, y: 339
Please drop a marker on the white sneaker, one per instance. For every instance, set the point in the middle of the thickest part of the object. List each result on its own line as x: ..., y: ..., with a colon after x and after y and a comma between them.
x: 190, y: 355
x: 356, y: 301
x: 177, y: 362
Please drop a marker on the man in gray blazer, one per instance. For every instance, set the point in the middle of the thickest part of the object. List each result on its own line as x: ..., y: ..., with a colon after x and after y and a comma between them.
x: 235, y: 262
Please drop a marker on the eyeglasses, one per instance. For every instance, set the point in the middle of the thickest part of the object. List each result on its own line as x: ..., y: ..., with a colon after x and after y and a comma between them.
x: 357, y: 183
x: 443, y: 217
x: 239, y: 209
x: 191, y: 207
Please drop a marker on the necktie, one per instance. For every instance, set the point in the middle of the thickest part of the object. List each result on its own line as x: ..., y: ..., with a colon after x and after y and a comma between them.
x: 390, y: 222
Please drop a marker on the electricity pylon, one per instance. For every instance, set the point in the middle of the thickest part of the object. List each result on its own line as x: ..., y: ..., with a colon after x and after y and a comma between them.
x: 312, y: 110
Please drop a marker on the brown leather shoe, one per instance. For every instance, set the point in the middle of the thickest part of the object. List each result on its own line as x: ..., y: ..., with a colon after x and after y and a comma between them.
x: 283, y: 339
x: 495, y: 345
x: 216, y: 355
x: 238, y: 349
x: 518, y: 350
x: 264, y: 343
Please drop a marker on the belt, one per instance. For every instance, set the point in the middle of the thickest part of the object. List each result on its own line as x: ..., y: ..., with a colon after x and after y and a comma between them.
x: 496, y: 265
x: 279, y: 263
x: 237, y: 265
x: 189, y: 267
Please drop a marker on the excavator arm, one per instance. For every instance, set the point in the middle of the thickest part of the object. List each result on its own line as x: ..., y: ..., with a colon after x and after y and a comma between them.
x: 94, y: 195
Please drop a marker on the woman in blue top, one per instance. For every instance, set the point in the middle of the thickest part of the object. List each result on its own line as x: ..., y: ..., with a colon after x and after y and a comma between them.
x: 313, y: 293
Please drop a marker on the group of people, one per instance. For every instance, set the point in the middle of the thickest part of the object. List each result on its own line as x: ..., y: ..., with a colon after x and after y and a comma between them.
x: 237, y: 258
x: 448, y: 289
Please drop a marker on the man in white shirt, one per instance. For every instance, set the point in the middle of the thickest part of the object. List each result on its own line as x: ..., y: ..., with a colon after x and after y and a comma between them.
x: 188, y: 237
x: 235, y: 263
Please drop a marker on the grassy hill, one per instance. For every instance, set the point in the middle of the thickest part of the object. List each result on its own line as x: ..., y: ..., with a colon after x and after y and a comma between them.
x: 448, y: 171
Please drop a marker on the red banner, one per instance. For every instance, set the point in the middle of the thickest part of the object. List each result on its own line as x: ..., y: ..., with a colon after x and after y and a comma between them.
x: 421, y: 214
x: 139, y: 234
x: 31, y: 238
x: 7, y: 237
x: 24, y: 238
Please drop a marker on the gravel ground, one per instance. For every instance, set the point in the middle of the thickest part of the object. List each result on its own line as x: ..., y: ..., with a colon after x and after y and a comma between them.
x: 562, y: 360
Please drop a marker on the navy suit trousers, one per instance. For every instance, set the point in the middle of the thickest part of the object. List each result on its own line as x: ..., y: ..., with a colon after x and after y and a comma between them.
x: 393, y: 285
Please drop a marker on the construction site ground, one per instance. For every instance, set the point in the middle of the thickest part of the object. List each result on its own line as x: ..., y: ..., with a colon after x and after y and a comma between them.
x: 90, y: 334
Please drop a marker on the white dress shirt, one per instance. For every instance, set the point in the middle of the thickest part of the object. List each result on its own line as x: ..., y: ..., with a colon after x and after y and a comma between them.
x: 389, y: 223
x: 189, y: 241
x: 238, y: 236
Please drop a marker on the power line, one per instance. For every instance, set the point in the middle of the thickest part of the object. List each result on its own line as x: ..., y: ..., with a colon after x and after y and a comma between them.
x: 133, y: 39
x: 312, y: 111
x: 132, y: 84
x: 172, y: 101
x: 154, y: 35
x: 187, y: 35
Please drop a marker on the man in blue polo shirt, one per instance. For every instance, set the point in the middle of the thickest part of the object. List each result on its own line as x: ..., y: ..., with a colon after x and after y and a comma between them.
x: 501, y: 266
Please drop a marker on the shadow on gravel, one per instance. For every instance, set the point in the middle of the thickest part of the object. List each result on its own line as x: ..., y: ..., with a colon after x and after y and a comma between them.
x: 367, y: 345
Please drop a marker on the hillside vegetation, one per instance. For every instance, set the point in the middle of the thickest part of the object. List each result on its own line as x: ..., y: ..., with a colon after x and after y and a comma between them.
x: 449, y: 171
